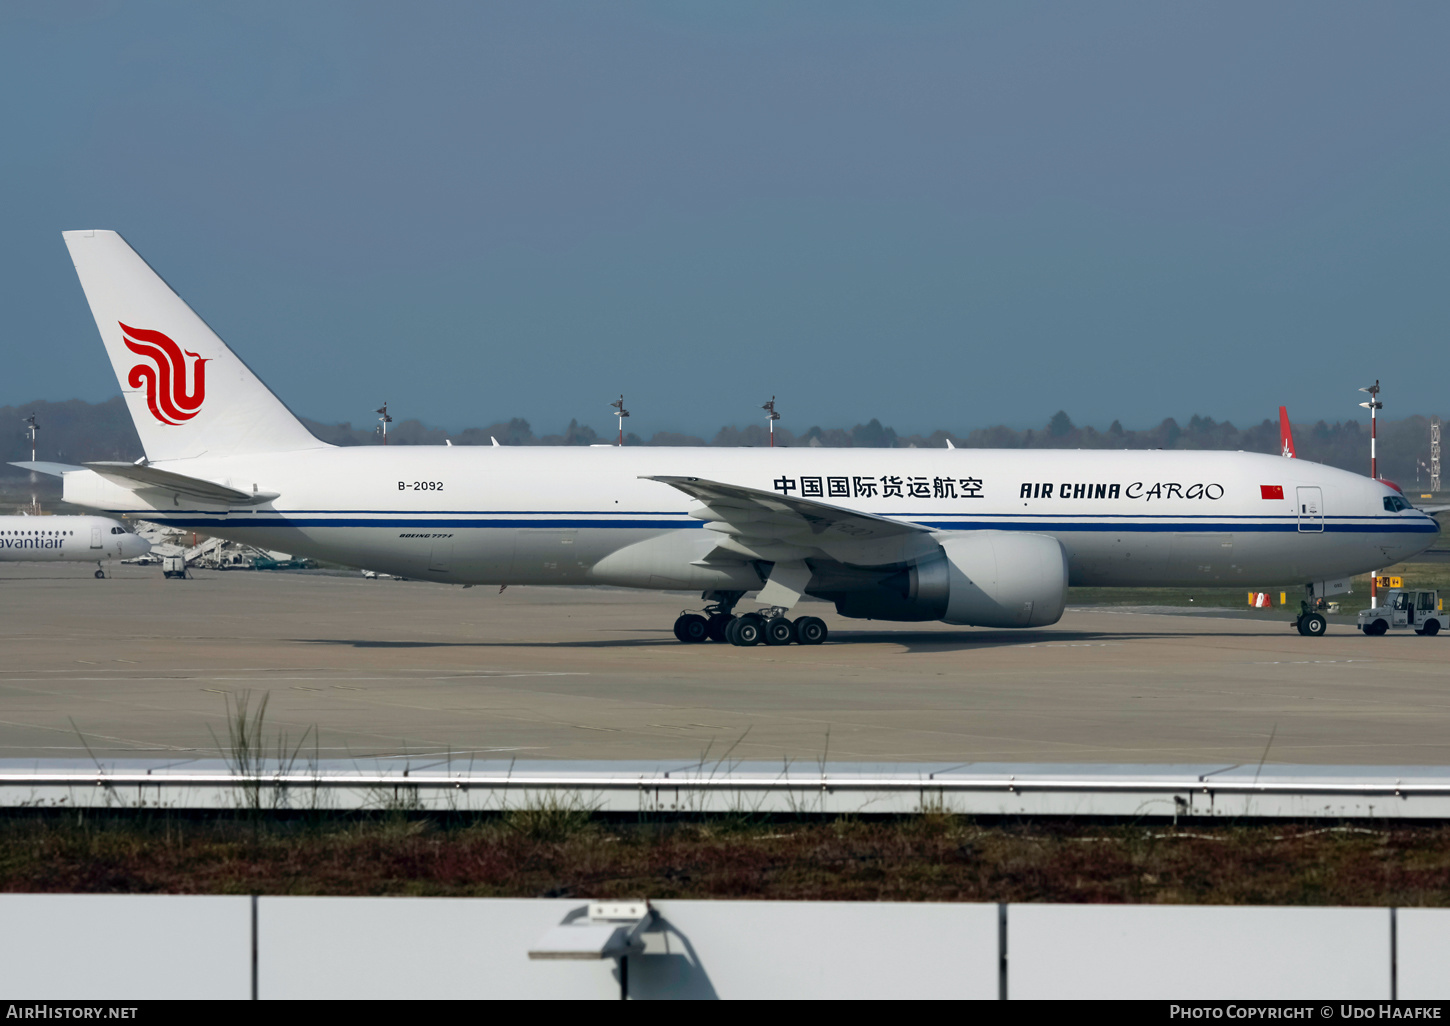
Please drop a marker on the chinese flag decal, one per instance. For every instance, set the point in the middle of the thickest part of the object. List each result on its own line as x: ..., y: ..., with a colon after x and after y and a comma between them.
x: 1271, y: 491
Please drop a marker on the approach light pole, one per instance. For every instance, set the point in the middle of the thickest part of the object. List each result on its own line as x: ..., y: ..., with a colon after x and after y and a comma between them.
x: 621, y: 413
x: 770, y: 418
x: 1374, y: 405
x: 384, y: 420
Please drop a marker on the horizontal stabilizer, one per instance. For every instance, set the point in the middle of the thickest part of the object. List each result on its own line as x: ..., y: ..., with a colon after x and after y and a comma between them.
x: 136, y: 475
x: 54, y: 469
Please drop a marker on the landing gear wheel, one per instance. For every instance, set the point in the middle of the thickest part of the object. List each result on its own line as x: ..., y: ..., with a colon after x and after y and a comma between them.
x: 1312, y: 625
x: 779, y: 631
x: 101, y: 574
x: 810, y: 630
x: 745, y: 631
x: 1430, y: 629
x: 717, y: 624
x: 1375, y: 628
x: 692, y: 628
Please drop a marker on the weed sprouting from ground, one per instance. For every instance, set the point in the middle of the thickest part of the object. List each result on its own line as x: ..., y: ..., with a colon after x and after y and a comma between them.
x: 251, y: 755
x: 553, y: 819
x: 564, y: 850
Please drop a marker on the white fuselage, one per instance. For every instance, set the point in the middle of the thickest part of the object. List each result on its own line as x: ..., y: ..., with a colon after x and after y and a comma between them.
x: 534, y: 515
x: 74, y: 539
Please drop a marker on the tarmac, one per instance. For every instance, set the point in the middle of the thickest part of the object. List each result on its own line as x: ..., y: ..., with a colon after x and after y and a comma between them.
x: 138, y: 666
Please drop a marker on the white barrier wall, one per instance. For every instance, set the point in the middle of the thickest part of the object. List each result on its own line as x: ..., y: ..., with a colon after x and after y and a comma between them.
x: 120, y: 946
x: 1424, y: 953
x: 417, y: 947
x: 60, y: 946
x: 779, y: 949
x: 1181, y: 951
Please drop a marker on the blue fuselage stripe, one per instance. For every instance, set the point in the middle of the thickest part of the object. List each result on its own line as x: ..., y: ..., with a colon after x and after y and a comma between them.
x: 1360, y: 525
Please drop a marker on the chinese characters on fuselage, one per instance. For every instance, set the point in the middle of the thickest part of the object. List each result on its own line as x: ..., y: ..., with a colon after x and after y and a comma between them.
x: 893, y: 486
x: 885, y: 487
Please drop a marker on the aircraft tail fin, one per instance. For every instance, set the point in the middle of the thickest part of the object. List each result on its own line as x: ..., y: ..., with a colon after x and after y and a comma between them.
x: 188, y: 394
x: 1286, y: 434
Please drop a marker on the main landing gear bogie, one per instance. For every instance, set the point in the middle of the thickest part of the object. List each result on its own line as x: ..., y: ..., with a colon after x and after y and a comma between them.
x: 692, y: 628
x: 750, y: 629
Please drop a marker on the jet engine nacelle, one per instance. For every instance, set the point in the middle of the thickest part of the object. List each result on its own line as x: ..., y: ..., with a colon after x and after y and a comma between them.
x: 977, y: 579
x: 1001, y: 579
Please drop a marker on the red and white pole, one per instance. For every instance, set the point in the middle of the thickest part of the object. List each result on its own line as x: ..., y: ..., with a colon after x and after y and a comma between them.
x: 770, y: 418
x: 1374, y: 405
x: 621, y: 413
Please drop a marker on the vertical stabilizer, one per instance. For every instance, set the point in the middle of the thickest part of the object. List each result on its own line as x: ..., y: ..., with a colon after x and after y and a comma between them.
x: 1286, y: 435
x: 188, y: 394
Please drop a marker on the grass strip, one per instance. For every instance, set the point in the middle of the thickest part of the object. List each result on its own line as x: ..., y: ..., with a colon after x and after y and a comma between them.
x: 564, y: 853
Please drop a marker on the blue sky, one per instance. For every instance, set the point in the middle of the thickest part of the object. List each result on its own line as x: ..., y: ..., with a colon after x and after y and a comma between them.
x: 942, y: 215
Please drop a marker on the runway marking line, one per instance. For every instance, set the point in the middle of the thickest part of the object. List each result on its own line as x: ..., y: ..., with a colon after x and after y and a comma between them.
x: 1307, y: 662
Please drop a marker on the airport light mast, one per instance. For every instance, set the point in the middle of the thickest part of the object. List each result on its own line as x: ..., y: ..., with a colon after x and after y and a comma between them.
x: 770, y: 418
x: 621, y: 413
x: 384, y: 420
x: 1434, y: 454
x: 1374, y: 405
x: 32, y: 427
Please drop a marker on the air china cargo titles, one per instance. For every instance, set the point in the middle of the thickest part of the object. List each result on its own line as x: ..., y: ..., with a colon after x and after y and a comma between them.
x: 1136, y: 490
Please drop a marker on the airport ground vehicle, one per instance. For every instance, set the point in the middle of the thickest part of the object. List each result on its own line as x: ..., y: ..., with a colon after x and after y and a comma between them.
x: 264, y: 563
x: 173, y: 566
x: 1406, y: 609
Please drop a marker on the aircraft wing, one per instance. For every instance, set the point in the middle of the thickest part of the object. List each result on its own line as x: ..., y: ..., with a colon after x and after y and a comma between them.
x: 136, y: 475
x: 766, y: 525
x: 53, y: 469
x: 1432, y: 509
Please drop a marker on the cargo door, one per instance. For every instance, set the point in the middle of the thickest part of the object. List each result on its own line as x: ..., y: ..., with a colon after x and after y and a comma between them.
x: 441, y: 560
x: 1311, y: 510
x: 95, y: 537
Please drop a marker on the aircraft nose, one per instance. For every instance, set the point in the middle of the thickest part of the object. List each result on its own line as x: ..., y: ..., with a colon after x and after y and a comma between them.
x: 135, y: 546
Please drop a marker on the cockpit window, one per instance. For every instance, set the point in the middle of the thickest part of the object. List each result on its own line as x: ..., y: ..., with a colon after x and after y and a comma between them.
x: 1393, y: 504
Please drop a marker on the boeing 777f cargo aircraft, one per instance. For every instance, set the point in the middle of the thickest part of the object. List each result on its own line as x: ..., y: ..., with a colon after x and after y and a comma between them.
x: 968, y: 536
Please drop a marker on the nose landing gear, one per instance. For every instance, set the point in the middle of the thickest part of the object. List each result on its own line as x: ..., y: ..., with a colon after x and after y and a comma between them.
x: 1310, y: 622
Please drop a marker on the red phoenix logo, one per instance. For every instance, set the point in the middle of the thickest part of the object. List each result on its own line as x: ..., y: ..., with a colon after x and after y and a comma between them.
x: 164, y: 378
